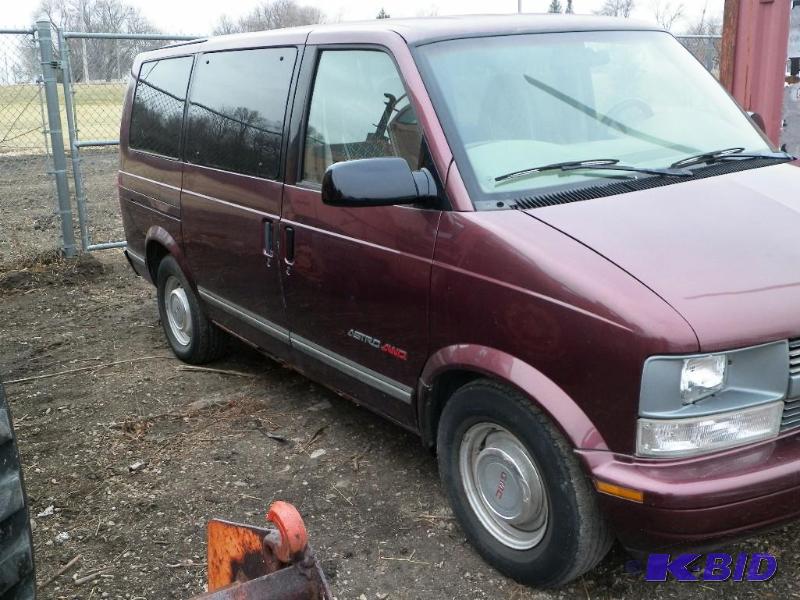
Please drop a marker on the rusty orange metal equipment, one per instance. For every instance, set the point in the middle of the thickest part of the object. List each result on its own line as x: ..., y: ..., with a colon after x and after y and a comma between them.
x: 253, y: 563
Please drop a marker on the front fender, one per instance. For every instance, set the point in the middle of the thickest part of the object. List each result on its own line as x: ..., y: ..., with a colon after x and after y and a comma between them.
x: 498, y: 365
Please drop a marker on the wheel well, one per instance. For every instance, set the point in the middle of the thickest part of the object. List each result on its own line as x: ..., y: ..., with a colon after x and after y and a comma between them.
x: 155, y: 253
x: 442, y: 389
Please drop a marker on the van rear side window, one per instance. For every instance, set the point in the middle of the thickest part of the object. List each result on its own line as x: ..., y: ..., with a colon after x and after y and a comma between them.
x: 237, y: 107
x: 157, y: 112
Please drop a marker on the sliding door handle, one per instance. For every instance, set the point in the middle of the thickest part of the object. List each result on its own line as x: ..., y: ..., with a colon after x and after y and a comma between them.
x: 288, y: 252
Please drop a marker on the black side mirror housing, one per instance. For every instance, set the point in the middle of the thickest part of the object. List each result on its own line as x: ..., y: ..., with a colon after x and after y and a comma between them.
x: 376, y: 182
x: 758, y: 120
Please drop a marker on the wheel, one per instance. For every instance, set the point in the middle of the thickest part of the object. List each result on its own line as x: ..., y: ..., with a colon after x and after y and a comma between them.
x: 193, y: 338
x: 17, y: 572
x: 516, y: 487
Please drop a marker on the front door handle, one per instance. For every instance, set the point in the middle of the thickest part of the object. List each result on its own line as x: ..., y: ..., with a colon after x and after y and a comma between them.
x: 269, y: 238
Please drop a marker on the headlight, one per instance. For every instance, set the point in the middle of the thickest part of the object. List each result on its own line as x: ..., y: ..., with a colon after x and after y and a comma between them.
x: 702, y: 376
x: 693, y: 404
x: 684, y: 437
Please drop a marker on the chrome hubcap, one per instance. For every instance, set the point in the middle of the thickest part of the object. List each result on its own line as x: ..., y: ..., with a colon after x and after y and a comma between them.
x: 179, y: 315
x: 503, y: 486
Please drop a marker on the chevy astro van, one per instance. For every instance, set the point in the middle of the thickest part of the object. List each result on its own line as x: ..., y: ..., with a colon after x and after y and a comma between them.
x: 552, y: 246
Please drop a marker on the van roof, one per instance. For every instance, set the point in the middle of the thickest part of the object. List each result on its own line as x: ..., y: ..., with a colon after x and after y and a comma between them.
x: 417, y: 31
x: 423, y: 30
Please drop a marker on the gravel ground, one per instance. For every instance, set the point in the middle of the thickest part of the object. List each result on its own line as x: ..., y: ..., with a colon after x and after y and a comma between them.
x: 135, y: 457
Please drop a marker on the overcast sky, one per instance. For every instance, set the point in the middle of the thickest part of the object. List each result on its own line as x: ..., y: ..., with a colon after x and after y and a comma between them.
x: 199, y: 16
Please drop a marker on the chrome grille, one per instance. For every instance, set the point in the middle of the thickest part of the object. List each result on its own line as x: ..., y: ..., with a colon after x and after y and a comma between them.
x: 791, y: 407
x: 794, y: 357
x: 791, y: 414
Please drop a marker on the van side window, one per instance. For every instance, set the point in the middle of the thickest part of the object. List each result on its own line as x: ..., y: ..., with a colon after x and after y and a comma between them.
x: 359, y: 109
x: 237, y: 107
x: 157, y: 112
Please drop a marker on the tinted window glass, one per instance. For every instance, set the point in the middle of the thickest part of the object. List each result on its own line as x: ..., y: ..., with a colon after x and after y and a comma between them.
x: 157, y: 111
x: 237, y: 108
x: 359, y: 109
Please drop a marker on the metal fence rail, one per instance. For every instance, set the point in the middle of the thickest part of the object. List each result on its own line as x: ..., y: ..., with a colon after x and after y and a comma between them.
x: 706, y: 48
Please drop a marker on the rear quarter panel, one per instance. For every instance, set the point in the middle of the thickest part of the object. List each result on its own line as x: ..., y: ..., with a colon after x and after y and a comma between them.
x: 149, y: 185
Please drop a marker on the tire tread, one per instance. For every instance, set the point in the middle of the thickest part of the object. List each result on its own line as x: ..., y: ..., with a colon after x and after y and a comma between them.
x: 595, y: 538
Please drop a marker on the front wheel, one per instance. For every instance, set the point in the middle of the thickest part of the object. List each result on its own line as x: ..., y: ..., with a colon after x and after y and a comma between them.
x: 516, y: 487
x: 191, y: 335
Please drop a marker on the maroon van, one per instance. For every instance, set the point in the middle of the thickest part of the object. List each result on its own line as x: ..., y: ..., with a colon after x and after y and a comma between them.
x: 552, y: 246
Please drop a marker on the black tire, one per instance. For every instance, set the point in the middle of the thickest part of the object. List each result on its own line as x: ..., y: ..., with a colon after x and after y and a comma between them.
x: 207, y: 341
x: 576, y: 537
x: 17, y: 577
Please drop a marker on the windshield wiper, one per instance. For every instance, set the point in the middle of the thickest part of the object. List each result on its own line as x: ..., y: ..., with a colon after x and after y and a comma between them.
x: 735, y: 153
x: 599, y: 164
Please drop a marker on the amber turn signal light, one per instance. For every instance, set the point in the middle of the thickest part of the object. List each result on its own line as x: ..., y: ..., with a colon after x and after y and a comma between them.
x: 619, y: 491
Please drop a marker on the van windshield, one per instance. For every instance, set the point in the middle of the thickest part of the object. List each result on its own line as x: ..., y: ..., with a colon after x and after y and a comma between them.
x: 512, y: 103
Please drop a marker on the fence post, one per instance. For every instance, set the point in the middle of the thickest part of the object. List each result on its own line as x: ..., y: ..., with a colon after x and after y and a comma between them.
x: 49, y: 70
x: 77, y: 175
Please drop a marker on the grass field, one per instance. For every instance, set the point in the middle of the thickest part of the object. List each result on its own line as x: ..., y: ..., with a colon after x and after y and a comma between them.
x: 98, y: 107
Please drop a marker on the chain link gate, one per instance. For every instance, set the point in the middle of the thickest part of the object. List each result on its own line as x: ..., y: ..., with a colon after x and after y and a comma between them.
x: 51, y: 133
x: 706, y: 48
x: 95, y: 70
x: 30, y: 222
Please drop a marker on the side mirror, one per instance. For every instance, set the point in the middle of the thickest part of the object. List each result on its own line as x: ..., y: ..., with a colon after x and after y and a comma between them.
x: 758, y: 120
x: 376, y: 182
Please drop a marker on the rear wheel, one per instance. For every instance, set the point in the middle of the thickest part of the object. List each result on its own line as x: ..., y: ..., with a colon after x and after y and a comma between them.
x: 516, y: 487
x: 191, y: 335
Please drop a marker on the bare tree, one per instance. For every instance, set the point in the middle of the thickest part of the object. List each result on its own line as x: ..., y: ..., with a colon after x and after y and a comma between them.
x: 555, y: 6
x: 667, y: 13
x: 274, y: 14
x: 103, y: 60
x: 225, y: 25
x: 617, y: 8
x: 706, y: 24
x: 569, y: 10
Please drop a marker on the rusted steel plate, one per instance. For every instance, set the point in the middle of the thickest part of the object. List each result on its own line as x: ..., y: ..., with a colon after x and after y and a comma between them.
x: 235, y: 553
x: 285, y: 584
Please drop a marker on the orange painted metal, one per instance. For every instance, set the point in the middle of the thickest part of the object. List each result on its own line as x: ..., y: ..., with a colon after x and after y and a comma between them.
x: 291, y: 528
x: 235, y: 553
x: 253, y: 563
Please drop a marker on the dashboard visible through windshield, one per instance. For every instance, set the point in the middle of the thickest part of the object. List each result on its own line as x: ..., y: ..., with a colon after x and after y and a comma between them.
x: 510, y: 104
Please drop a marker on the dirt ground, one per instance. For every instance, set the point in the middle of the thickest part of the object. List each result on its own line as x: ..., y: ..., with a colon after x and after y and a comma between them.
x: 129, y: 455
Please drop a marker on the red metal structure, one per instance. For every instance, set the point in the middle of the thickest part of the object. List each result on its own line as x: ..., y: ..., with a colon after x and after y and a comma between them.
x: 753, y: 63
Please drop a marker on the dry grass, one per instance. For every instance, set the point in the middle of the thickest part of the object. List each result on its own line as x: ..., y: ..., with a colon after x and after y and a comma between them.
x: 98, y: 107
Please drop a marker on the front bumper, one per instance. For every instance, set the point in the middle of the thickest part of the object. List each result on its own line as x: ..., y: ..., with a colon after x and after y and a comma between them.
x: 699, y: 501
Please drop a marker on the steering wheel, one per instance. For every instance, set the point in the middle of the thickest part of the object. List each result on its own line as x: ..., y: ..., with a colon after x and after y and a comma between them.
x: 637, y: 108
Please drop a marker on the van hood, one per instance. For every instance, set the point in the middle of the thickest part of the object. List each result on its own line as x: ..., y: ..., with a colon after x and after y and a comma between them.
x: 723, y: 251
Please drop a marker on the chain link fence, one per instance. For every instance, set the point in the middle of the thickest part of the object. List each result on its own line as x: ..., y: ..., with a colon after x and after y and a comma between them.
x: 29, y: 222
x: 96, y: 68
x: 61, y: 99
x: 706, y: 48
